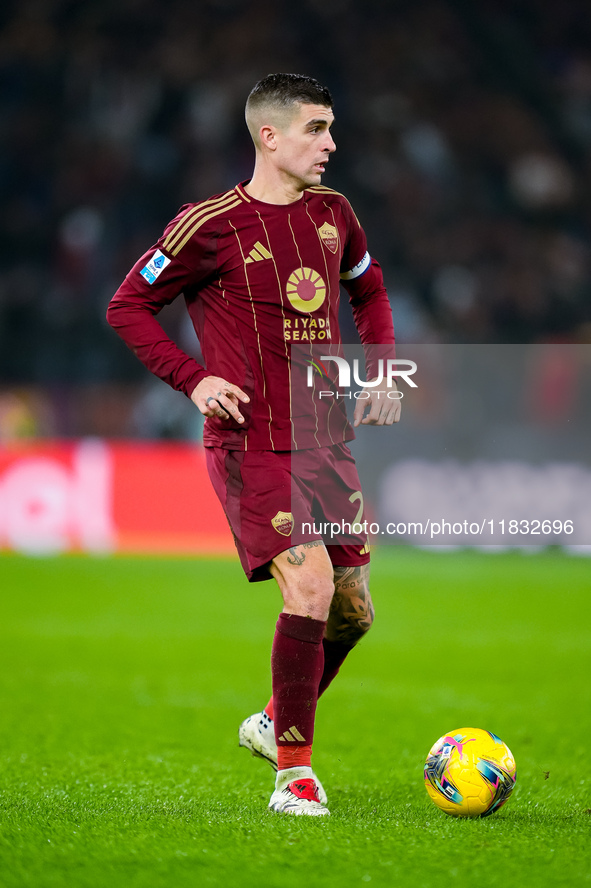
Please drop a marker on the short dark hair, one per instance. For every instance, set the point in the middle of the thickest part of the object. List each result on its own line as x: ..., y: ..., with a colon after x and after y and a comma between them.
x: 287, y: 89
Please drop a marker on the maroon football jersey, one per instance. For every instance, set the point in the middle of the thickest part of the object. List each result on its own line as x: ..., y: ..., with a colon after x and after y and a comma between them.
x: 257, y: 278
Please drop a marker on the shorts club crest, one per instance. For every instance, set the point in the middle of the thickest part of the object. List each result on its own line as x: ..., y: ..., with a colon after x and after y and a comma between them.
x: 283, y: 523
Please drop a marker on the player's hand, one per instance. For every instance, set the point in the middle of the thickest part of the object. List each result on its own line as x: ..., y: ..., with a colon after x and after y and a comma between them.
x: 378, y: 408
x: 215, y: 396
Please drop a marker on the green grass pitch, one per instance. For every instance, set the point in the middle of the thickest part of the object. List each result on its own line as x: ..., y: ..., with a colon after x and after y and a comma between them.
x: 123, y: 681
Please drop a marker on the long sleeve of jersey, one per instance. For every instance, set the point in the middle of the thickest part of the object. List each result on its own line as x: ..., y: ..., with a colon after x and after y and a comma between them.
x: 371, y: 306
x: 153, y: 282
x: 133, y: 316
x: 369, y: 301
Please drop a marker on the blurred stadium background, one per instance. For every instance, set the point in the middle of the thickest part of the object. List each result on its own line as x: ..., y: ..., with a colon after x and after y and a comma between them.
x: 464, y: 144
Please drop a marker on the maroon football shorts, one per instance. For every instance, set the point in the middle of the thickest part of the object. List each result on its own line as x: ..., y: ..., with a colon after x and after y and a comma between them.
x: 278, y: 499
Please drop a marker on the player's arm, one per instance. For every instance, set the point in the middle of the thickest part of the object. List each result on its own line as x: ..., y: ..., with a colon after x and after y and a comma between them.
x: 155, y: 281
x: 363, y: 280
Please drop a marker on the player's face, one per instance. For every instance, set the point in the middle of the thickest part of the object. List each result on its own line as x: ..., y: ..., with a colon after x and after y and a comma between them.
x: 305, y: 145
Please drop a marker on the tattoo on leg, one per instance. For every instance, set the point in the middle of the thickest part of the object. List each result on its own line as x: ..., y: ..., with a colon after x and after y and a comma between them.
x: 351, y: 611
x: 297, y: 556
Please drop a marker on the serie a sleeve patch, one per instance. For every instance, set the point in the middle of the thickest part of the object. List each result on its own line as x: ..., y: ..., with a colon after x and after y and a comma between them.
x: 155, y: 266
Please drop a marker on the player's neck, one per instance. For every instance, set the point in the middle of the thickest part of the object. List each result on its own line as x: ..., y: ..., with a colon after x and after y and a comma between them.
x: 270, y: 187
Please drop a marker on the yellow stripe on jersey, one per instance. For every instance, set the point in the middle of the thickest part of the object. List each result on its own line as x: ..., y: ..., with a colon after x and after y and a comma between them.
x: 201, y: 221
x: 191, y: 216
x: 266, y: 400
x: 321, y: 189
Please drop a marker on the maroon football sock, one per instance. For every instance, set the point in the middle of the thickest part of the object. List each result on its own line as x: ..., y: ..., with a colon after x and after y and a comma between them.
x: 335, y: 653
x: 297, y: 660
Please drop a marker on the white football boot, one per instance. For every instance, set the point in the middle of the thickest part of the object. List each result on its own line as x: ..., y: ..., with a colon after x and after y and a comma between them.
x: 296, y: 792
x: 257, y: 733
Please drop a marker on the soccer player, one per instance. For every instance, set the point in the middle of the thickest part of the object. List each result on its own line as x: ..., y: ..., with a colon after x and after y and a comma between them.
x: 260, y: 268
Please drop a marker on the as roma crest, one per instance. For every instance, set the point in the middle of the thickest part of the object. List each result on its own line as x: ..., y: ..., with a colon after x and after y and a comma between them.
x: 330, y: 237
x: 283, y: 523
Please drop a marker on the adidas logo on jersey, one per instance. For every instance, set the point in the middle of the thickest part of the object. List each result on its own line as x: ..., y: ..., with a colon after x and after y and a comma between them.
x: 258, y: 253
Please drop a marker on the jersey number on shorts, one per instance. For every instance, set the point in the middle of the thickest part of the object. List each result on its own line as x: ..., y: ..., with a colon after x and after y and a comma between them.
x: 353, y: 499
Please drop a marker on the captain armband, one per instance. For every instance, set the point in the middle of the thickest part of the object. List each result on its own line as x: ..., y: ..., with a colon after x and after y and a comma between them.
x: 357, y: 270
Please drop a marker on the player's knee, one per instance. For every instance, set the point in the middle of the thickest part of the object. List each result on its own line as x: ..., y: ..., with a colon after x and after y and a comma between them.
x: 307, y: 588
x: 319, y: 589
x: 310, y: 595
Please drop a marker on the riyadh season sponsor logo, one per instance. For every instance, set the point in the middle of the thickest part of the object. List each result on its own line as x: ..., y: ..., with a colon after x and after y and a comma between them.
x: 389, y: 371
x: 306, y: 290
x: 155, y: 266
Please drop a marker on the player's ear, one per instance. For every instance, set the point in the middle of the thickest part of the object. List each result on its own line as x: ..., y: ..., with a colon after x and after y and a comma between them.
x: 268, y: 137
